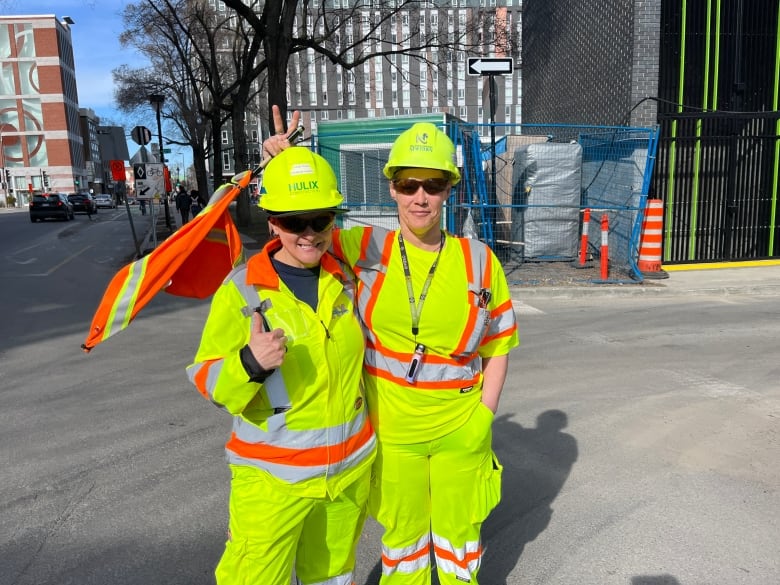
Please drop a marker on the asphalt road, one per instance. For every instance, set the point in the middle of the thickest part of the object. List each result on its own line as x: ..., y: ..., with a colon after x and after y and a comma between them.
x: 639, y: 437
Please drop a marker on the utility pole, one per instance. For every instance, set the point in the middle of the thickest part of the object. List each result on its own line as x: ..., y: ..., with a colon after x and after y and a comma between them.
x: 157, y: 101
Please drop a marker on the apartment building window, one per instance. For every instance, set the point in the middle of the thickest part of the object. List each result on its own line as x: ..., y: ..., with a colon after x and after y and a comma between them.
x: 395, y: 111
x: 371, y: 113
x: 324, y: 98
x: 507, y: 113
x: 339, y: 114
x: 423, y: 94
x: 406, y: 96
x: 225, y: 137
x: 254, y: 136
x: 461, y: 94
x: 463, y: 112
x: 324, y: 115
x: 225, y: 161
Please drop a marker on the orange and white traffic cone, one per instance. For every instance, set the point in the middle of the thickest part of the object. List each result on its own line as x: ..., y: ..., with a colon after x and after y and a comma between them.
x: 650, y: 256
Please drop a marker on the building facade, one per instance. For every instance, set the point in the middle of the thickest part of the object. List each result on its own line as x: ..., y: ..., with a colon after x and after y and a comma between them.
x: 41, y: 145
x: 433, y: 80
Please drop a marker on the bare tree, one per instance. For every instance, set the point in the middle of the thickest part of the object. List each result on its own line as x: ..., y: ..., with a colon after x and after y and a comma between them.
x: 204, y: 63
x: 292, y: 26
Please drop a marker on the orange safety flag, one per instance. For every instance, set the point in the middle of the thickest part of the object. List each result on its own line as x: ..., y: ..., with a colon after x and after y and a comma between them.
x: 192, y: 262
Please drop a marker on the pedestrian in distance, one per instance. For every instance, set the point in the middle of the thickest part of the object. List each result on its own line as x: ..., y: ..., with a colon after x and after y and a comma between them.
x: 197, y: 203
x: 440, y: 325
x: 183, y: 203
x: 282, y: 351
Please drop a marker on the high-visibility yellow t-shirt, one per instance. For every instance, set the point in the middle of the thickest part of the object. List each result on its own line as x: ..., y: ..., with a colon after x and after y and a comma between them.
x: 404, y: 413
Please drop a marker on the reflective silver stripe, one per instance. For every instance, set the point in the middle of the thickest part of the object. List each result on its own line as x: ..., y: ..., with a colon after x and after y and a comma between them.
x: 214, y: 368
x: 447, y: 565
x: 345, y: 579
x: 274, y: 386
x: 502, y: 322
x: 297, y: 473
x: 371, y: 260
x: 428, y: 373
x: 393, y: 558
x: 123, y: 305
x: 279, y: 435
x: 217, y: 235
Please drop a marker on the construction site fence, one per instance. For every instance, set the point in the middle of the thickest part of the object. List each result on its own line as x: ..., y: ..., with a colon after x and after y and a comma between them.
x: 523, y: 188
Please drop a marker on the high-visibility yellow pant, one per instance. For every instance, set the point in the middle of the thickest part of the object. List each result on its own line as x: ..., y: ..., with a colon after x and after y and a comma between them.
x: 436, y: 495
x: 270, y: 532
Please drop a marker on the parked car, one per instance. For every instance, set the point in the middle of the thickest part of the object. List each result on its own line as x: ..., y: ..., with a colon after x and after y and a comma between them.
x: 45, y: 205
x: 83, y: 202
x: 104, y: 200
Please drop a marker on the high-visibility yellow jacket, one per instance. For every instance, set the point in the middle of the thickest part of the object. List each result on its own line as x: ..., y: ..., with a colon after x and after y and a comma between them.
x: 306, y: 424
x: 456, y: 332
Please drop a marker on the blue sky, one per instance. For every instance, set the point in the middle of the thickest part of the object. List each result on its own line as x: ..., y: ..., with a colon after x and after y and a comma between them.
x: 98, y: 24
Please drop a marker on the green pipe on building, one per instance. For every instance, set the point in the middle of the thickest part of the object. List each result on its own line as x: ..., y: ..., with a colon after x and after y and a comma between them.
x: 673, y: 145
x: 694, y: 217
x: 775, y: 103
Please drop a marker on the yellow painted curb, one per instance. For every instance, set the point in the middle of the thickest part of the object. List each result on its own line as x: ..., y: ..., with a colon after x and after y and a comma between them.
x: 721, y: 265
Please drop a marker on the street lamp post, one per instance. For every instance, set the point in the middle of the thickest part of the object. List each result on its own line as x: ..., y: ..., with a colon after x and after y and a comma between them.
x: 157, y: 101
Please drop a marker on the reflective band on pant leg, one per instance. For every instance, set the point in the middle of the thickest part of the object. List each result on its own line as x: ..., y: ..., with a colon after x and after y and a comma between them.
x: 399, y: 501
x: 463, y: 492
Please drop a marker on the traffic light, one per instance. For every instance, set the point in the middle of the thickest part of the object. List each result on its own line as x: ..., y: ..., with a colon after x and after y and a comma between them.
x: 77, y: 182
x: 45, y: 178
x: 8, y: 176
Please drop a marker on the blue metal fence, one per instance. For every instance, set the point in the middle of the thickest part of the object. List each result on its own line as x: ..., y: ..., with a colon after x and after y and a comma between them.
x: 525, y: 197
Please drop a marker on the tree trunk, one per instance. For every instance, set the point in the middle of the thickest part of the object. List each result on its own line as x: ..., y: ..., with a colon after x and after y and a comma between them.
x: 240, y: 154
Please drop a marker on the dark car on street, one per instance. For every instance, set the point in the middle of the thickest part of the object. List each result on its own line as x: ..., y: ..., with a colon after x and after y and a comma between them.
x: 83, y: 202
x: 54, y: 205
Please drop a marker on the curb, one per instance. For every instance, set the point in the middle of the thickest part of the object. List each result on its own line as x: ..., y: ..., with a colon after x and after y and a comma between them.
x: 572, y: 292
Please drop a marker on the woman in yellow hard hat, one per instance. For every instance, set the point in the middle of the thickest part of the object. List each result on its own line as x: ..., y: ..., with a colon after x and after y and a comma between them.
x: 282, y: 351
x: 440, y: 325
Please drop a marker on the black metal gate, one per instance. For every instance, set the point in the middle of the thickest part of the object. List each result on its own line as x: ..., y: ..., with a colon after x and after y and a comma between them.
x: 718, y: 176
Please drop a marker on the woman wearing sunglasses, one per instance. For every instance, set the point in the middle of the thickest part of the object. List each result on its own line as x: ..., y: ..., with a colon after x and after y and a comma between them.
x: 282, y: 351
x: 440, y: 325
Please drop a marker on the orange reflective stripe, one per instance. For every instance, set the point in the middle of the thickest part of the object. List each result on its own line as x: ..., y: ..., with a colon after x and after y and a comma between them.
x: 201, y: 378
x: 388, y: 562
x: 469, y: 557
x: 423, y: 384
x: 302, y: 457
x: 466, y: 249
x: 380, y: 277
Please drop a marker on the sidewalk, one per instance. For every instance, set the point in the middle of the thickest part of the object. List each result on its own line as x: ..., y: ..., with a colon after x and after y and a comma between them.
x: 755, y: 278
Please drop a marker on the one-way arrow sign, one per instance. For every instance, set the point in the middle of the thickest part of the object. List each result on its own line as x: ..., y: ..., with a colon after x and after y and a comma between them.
x: 490, y: 65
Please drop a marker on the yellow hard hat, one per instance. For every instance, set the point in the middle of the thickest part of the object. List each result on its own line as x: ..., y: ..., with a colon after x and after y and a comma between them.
x: 423, y: 146
x: 298, y: 180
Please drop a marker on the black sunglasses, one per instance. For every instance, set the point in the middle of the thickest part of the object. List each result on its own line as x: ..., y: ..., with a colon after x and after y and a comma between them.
x: 297, y: 224
x: 410, y: 186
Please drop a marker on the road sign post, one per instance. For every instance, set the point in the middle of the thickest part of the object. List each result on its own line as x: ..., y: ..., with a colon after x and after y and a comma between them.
x: 491, y: 66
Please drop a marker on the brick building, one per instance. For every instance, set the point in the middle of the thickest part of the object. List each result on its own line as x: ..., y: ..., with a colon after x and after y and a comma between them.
x: 41, y: 145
